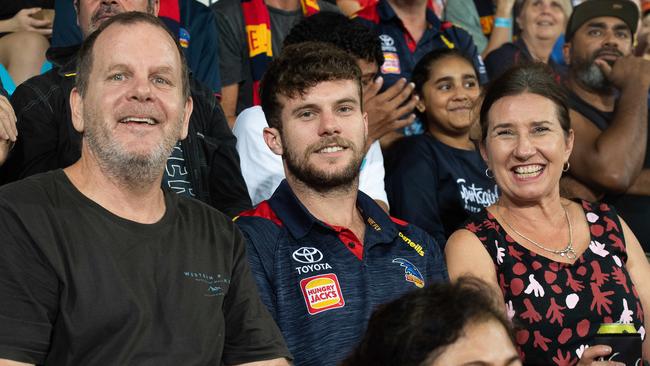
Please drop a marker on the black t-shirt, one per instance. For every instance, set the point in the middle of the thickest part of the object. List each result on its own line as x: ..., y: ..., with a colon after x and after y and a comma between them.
x: 516, y: 53
x: 81, y: 286
x: 436, y: 186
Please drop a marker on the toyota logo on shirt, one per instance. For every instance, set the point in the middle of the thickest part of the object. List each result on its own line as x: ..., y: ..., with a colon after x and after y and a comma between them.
x: 307, y: 255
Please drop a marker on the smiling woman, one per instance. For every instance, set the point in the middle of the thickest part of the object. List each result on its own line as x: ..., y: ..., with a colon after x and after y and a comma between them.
x: 562, y: 267
x: 540, y: 22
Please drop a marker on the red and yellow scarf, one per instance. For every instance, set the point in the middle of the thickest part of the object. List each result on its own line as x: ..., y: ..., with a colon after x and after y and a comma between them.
x: 258, y: 36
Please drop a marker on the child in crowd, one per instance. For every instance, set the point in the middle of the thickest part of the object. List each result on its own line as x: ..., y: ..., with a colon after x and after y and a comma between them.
x: 441, y: 171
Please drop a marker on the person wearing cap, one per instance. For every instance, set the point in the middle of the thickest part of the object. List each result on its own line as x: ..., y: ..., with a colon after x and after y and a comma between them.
x: 608, y: 89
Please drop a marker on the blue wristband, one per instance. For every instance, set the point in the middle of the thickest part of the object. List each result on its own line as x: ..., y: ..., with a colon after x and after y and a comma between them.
x: 503, y: 22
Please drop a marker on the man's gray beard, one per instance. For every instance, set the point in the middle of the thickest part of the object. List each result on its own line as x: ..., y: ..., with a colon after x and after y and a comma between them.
x: 133, y: 171
x: 592, y: 77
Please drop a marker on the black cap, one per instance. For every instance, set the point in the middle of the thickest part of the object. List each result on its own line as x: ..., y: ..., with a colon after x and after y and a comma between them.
x: 625, y: 10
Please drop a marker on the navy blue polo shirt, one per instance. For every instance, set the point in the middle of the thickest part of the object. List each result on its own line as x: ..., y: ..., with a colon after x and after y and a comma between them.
x: 401, y: 53
x: 320, y: 283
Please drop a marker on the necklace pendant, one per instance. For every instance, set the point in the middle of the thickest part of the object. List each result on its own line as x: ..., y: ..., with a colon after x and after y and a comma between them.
x: 571, y: 255
x: 562, y: 254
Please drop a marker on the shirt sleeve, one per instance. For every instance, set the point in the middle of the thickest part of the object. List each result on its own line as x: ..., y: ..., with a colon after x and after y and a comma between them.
x: 29, y: 288
x: 500, y: 60
x: 463, y: 14
x: 231, y: 44
x: 251, y: 333
x: 38, y: 130
x: 371, y: 178
x: 226, y: 185
x: 204, y: 47
x: 262, y: 168
x: 437, y: 265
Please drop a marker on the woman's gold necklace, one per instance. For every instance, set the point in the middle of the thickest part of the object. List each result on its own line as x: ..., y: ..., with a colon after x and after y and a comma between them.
x: 568, y: 252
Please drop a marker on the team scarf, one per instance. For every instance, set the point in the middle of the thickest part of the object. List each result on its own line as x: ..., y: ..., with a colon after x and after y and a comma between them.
x: 486, y: 10
x: 258, y: 35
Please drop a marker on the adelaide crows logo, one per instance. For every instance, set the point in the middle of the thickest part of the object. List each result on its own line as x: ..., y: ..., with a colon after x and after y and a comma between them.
x: 411, y: 272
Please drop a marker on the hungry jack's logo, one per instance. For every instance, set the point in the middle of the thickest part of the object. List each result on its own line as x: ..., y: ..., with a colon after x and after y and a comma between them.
x: 322, y: 293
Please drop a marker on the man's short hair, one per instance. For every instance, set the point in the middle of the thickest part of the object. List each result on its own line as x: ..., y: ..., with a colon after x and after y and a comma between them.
x: 625, y: 10
x: 301, y: 67
x: 85, y: 58
x: 357, y: 39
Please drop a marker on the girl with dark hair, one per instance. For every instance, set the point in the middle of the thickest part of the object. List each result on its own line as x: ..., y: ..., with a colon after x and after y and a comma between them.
x: 562, y: 267
x: 442, y: 324
x: 441, y: 171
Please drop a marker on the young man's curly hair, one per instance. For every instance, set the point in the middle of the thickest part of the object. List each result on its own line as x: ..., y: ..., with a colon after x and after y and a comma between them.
x: 301, y: 67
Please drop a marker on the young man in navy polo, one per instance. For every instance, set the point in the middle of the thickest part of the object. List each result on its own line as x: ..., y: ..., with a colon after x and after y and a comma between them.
x: 323, y: 253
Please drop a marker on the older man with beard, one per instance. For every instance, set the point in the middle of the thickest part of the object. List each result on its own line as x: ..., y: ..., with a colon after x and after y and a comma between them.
x: 99, y: 265
x: 608, y: 97
x: 205, y: 165
x: 323, y: 253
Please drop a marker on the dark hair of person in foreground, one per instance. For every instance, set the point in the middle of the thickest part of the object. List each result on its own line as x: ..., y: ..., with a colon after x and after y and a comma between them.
x: 418, y: 327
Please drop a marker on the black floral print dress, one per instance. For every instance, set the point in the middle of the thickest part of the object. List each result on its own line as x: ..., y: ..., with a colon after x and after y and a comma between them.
x: 558, y: 307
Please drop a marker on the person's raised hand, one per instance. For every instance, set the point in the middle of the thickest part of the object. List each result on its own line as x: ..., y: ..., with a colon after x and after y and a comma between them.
x: 8, y: 131
x: 626, y: 71
x: 390, y: 110
x: 24, y: 21
x: 504, y: 8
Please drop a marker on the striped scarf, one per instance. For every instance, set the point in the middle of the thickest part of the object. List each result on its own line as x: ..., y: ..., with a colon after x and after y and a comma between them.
x: 258, y: 35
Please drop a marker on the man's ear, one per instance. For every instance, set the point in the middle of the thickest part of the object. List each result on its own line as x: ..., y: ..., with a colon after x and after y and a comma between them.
x: 77, y: 108
x: 156, y: 7
x: 187, y: 112
x: 75, y: 3
x: 273, y: 140
x: 566, y: 53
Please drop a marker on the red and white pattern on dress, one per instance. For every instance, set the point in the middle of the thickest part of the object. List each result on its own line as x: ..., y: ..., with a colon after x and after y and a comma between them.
x: 558, y: 307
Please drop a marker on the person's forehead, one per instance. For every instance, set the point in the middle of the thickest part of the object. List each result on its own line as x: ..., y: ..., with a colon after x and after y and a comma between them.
x: 449, y: 66
x: 128, y: 5
x: 122, y: 43
x: 324, y: 93
x: 609, y: 22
